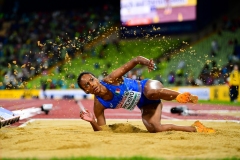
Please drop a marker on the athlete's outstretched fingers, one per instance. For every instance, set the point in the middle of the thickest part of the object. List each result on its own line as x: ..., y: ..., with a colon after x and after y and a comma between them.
x: 81, y: 114
x: 151, y: 65
x: 87, y: 116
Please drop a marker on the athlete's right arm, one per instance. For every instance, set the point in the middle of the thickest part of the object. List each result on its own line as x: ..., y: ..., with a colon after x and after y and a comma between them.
x: 99, y: 115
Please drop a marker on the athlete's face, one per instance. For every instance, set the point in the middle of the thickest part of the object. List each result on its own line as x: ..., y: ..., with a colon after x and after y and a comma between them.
x: 90, y: 84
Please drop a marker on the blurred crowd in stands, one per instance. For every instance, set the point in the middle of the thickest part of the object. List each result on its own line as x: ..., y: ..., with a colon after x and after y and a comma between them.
x: 212, y: 73
x: 30, y: 43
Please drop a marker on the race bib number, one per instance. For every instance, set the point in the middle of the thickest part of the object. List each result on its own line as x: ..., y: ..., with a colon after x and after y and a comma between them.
x: 131, y: 99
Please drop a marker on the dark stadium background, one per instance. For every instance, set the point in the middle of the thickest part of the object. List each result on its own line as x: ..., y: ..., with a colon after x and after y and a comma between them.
x: 207, y: 11
x: 209, y: 19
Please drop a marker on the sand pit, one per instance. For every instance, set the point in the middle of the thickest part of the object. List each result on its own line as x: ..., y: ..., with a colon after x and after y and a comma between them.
x: 75, y: 138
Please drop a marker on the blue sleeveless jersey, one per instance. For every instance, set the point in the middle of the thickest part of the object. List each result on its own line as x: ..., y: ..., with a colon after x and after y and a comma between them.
x: 118, y: 92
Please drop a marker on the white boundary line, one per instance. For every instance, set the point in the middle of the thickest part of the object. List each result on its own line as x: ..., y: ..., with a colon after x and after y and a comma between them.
x: 25, y: 123
x: 81, y: 106
x: 170, y: 118
x: 27, y: 112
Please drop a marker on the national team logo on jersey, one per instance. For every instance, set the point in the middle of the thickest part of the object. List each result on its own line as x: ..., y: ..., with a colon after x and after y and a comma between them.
x: 117, y: 91
x: 111, y: 105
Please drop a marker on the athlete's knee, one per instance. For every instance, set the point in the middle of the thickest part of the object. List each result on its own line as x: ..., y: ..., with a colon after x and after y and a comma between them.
x: 152, y: 126
x: 151, y: 94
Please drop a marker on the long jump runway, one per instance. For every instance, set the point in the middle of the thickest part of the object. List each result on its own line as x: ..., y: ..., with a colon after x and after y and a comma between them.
x: 69, y: 109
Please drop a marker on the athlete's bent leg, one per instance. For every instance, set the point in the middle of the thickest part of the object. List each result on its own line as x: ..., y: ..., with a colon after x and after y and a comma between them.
x: 151, y: 117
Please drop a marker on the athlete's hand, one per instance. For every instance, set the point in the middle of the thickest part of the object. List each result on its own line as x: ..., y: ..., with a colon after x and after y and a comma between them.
x: 87, y: 116
x: 151, y: 66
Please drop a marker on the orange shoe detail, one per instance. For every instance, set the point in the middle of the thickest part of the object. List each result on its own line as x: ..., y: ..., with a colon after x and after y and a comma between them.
x: 210, y: 130
x: 201, y: 128
x: 193, y: 99
x: 183, y: 97
x: 198, y: 124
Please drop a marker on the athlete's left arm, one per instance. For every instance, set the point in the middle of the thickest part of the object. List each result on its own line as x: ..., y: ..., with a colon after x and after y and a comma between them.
x: 121, y: 71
